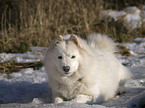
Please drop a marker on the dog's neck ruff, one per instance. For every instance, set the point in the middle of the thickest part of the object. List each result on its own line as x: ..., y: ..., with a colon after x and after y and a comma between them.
x: 74, y: 77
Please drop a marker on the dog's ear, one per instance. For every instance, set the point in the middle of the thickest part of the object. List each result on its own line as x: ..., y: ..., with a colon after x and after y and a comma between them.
x: 58, y: 40
x: 75, y: 40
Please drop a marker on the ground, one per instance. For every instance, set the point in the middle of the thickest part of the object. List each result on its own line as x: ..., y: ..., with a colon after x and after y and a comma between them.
x: 29, y: 86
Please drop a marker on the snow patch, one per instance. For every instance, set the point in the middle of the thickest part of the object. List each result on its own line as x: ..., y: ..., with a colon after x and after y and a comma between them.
x: 31, y: 87
x: 131, y: 16
x: 23, y: 86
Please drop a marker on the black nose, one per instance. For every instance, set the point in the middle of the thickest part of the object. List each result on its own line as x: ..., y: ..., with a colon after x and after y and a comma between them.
x: 66, y: 68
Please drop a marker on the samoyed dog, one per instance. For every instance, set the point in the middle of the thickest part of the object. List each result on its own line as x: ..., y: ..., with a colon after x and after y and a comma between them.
x: 83, y: 71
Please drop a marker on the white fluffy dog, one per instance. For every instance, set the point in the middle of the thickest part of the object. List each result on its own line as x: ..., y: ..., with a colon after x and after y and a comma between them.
x: 84, y: 71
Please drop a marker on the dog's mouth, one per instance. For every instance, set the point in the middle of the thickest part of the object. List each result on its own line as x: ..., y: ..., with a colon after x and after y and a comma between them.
x: 70, y: 73
x: 67, y: 73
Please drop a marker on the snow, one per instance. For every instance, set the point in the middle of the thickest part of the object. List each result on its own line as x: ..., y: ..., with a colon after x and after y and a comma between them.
x: 138, y: 101
x: 137, y: 49
x: 131, y: 16
x: 36, y: 54
x: 29, y: 87
x: 23, y: 86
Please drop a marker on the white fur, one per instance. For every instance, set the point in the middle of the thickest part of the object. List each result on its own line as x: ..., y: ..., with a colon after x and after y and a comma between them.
x: 101, y: 41
x: 94, y: 74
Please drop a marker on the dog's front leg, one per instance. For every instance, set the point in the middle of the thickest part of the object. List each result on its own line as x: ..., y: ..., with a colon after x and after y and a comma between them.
x: 82, y: 99
x: 58, y: 100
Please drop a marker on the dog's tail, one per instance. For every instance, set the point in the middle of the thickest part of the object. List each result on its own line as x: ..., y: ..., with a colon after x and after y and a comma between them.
x: 97, y: 40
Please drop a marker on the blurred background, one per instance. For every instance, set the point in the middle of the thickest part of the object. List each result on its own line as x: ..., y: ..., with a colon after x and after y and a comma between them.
x: 27, y: 23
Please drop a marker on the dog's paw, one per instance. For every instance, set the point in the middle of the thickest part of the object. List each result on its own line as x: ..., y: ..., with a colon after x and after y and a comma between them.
x: 120, y: 91
x: 58, y: 100
x: 82, y: 99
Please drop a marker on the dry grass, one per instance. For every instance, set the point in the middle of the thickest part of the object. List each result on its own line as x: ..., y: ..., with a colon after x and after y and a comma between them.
x: 26, y: 23
x: 29, y: 23
x: 37, y: 22
x: 9, y: 67
x: 121, y: 4
x: 124, y: 51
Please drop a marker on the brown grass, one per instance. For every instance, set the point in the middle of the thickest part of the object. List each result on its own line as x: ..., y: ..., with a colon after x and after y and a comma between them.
x: 26, y: 23
x: 121, y: 4
x: 9, y: 67
x: 124, y: 51
x: 39, y: 21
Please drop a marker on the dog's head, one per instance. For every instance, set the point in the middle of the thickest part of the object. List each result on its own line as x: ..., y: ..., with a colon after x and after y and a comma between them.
x: 66, y: 54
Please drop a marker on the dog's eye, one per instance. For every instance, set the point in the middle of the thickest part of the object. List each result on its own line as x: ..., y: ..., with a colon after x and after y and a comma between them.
x: 73, y: 57
x: 60, y: 57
